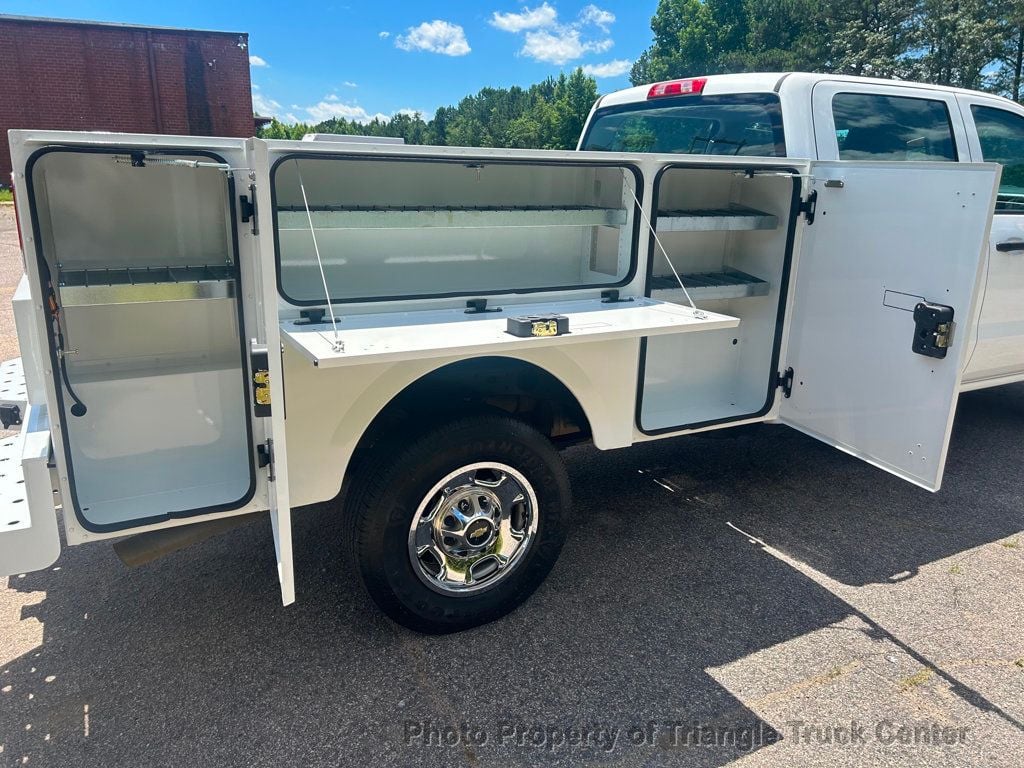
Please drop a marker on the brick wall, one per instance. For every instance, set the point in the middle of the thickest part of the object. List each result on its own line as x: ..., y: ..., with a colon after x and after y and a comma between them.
x: 86, y: 77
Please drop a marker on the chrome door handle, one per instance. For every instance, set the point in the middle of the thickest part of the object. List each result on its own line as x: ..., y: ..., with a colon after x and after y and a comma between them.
x: 1008, y: 246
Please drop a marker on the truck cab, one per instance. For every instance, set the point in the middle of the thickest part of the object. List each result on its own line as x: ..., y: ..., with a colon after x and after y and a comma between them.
x: 840, y: 118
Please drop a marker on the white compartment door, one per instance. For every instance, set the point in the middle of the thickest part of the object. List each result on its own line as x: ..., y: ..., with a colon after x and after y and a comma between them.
x: 885, y: 237
x: 261, y: 232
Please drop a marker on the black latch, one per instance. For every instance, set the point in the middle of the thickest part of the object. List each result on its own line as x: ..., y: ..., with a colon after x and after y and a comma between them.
x: 611, y: 296
x: 265, y: 457
x: 263, y: 454
x: 933, y: 329
x: 476, y: 306
x: 10, y: 416
x: 247, y: 207
x: 537, y: 325
x: 785, y: 380
x: 313, y: 316
x: 808, y: 206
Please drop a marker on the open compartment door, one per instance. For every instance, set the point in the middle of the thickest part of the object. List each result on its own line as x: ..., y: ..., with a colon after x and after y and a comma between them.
x: 886, y: 238
x: 267, y: 350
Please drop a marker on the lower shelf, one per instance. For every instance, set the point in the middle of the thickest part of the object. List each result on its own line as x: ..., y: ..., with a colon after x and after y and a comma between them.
x: 727, y: 284
x: 85, y: 287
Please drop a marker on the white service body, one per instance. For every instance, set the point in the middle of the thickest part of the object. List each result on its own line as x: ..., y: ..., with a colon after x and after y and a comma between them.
x: 179, y: 304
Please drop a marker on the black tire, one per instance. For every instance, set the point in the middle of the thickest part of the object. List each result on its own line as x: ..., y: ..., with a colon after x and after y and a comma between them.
x: 392, y: 484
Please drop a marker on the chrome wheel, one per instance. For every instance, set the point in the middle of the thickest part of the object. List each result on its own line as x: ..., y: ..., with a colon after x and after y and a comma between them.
x: 473, y: 528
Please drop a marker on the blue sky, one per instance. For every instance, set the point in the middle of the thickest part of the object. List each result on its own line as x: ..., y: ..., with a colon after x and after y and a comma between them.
x: 315, y: 60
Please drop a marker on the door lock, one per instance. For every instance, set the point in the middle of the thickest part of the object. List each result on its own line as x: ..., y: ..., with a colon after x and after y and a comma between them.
x: 260, y: 366
x: 933, y: 329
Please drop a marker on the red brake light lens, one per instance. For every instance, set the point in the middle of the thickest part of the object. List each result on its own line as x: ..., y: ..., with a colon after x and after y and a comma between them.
x: 690, y: 85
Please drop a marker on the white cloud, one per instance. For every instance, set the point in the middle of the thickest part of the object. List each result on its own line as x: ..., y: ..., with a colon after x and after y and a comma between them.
x: 436, y: 37
x: 329, y: 106
x: 613, y: 68
x: 326, y: 109
x: 561, y: 46
x: 256, y: 61
x: 263, y: 105
x: 350, y: 84
x: 597, y: 16
x: 541, y: 16
x: 383, y: 35
x: 548, y: 41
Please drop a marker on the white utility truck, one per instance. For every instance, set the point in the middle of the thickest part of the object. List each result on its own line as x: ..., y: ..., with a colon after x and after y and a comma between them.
x: 213, y: 328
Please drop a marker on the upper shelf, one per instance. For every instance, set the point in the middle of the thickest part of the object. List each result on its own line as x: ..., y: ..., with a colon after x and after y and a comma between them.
x: 707, y: 220
x: 403, y: 217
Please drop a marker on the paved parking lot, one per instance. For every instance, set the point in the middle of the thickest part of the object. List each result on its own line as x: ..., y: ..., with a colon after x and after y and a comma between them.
x: 758, y: 598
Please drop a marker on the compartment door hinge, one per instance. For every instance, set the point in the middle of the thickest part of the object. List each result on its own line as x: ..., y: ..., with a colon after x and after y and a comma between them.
x: 809, y: 205
x: 247, y: 207
x: 785, y: 381
x: 265, y: 457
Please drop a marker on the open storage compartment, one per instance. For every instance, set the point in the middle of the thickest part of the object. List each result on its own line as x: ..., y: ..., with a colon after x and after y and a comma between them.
x: 728, y: 234
x: 390, y: 228
x: 138, y: 258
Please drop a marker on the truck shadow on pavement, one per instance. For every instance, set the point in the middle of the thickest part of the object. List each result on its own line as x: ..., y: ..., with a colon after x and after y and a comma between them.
x: 664, y: 583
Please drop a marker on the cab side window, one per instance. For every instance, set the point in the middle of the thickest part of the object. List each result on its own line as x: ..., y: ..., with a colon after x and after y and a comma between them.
x: 874, y: 127
x: 1001, y: 135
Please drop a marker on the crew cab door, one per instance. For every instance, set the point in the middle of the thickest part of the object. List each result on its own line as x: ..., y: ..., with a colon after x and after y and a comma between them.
x: 886, y: 238
x: 998, y: 137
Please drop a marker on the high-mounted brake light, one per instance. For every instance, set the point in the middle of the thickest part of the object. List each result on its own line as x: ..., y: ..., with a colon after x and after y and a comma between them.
x: 677, y: 87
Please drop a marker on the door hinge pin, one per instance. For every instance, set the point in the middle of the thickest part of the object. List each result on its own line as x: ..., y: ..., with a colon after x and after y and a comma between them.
x: 808, y: 206
x: 785, y: 381
x: 247, y: 208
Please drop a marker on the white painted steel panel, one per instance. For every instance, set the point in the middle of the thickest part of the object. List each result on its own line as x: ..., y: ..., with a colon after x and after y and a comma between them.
x: 416, y: 335
x: 29, y: 539
x: 919, y: 229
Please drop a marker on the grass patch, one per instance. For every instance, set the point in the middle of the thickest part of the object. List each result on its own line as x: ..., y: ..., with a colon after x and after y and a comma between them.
x: 1019, y: 663
x: 916, y: 679
x: 6, y: 196
x: 955, y: 569
x: 1011, y: 543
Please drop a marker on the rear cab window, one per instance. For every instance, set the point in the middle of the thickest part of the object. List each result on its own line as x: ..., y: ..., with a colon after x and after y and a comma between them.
x: 746, y: 124
x: 1001, y: 136
x: 892, y: 128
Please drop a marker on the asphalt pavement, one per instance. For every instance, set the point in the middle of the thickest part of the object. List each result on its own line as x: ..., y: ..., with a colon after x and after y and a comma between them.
x: 755, y: 599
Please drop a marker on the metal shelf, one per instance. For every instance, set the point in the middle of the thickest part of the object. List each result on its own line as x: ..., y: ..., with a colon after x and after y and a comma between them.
x: 707, y: 286
x: 126, y: 285
x: 294, y: 217
x: 730, y: 219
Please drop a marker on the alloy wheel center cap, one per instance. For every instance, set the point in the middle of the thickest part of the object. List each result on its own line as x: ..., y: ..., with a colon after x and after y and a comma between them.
x: 479, y: 532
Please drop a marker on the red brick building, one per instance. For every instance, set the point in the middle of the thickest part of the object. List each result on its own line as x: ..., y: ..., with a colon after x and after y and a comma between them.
x: 94, y: 76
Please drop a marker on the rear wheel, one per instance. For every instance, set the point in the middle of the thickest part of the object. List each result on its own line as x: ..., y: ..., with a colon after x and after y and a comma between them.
x: 461, y: 525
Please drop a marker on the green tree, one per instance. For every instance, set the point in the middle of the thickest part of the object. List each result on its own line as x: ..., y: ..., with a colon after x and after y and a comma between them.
x: 869, y: 37
x: 574, y: 96
x: 1008, y: 77
x: 547, y: 115
x: 959, y: 39
x: 968, y: 43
